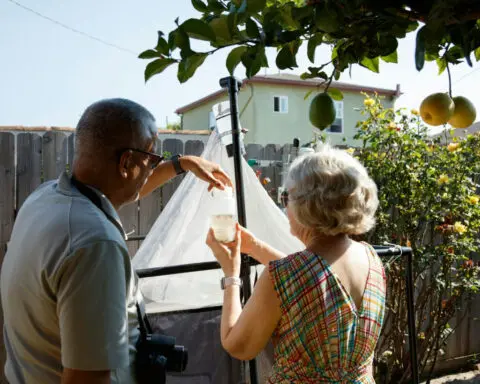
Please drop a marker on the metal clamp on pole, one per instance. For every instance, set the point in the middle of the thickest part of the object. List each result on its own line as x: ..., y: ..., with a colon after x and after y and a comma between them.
x: 233, y: 85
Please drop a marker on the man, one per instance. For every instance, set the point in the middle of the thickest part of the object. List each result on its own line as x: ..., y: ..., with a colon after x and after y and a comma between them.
x: 67, y: 284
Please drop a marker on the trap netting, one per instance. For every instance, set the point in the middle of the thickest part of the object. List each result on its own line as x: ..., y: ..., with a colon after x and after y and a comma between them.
x: 187, y: 305
x: 178, y: 235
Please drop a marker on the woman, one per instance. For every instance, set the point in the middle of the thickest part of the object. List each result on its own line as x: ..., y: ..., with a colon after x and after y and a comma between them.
x: 323, y: 307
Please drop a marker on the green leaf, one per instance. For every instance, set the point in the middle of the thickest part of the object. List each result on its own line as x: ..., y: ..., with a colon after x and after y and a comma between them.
x: 254, y: 59
x: 313, y: 43
x: 307, y: 95
x: 234, y: 58
x: 216, y: 6
x: 252, y: 29
x: 335, y: 94
x: 314, y: 73
x: 254, y: 6
x: 371, y: 64
x: 187, y: 67
x: 199, y: 5
x: 178, y: 38
x: 286, y: 58
x: 477, y: 54
x: 198, y: 29
x: 441, y: 64
x: 162, y: 45
x: 221, y: 28
x: 420, y: 49
x: 392, y: 58
x: 149, y: 54
x: 157, y: 66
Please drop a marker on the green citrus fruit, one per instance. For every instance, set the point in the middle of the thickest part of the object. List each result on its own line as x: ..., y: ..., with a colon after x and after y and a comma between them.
x: 322, y: 111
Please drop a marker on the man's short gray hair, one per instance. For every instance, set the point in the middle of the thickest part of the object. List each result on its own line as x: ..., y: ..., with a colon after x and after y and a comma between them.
x: 331, y: 192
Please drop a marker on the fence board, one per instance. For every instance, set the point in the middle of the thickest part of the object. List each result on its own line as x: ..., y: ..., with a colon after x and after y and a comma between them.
x: 129, y: 215
x: 194, y: 147
x: 29, y: 165
x: 54, y: 154
x: 273, y: 152
x: 7, y: 186
x: 70, y: 150
x: 150, y: 206
x: 254, y: 151
x: 173, y: 146
x: 7, y: 210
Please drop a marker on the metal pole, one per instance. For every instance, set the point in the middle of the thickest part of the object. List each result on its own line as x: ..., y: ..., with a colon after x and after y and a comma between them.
x: 412, y: 332
x: 233, y: 85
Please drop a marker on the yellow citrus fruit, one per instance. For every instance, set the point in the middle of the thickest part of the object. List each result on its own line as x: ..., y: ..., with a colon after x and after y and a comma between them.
x: 437, y: 109
x: 322, y: 111
x: 464, y: 114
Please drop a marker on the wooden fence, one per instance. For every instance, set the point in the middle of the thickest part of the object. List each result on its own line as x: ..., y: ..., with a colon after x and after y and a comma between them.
x: 29, y: 158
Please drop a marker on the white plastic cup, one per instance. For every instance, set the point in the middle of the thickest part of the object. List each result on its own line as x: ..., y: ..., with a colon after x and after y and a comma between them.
x: 223, y: 219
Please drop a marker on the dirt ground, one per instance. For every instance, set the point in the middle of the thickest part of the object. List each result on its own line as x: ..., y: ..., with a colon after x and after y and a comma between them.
x: 472, y: 377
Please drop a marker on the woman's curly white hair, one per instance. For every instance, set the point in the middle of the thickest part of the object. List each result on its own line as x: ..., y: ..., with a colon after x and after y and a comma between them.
x: 331, y: 192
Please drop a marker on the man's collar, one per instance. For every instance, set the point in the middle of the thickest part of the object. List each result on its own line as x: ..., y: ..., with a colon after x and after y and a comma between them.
x: 67, y: 187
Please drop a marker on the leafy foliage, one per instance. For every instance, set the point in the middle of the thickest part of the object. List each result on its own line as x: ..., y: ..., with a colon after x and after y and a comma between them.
x: 428, y: 200
x: 363, y: 32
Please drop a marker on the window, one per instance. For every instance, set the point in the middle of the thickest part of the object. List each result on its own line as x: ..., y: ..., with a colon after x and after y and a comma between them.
x: 337, y: 126
x: 211, y: 120
x: 280, y: 104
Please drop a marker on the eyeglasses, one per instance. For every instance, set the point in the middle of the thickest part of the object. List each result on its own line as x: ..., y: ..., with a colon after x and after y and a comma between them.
x: 284, y: 199
x: 153, y: 158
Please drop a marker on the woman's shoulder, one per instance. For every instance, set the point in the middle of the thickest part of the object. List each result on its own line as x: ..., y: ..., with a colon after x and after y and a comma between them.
x: 376, y: 263
x: 290, y: 259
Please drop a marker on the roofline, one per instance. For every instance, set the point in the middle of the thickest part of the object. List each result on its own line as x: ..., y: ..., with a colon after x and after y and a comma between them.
x: 299, y: 83
x: 42, y: 129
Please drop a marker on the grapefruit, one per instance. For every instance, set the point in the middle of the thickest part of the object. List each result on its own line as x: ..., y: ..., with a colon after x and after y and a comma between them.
x: 322, y: 111
x: 464, y: 114
x: 437, y: 109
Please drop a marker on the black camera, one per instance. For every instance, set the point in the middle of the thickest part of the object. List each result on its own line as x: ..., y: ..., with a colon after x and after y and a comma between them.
x: 156, y: 355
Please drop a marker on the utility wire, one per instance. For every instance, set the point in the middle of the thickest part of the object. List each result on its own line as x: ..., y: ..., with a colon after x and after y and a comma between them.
x: 73, y: 29
x: 466, y: 75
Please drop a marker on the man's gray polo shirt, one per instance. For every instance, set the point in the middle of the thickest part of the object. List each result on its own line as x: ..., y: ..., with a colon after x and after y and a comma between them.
x: 68, y: 289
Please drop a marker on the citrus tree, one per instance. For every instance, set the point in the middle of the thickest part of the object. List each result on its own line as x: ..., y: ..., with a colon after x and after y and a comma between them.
x: 429, y: 201
x: 363, y: 32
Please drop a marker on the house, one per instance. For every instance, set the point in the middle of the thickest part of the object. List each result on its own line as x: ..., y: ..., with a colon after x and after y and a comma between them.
x: 459, y: 133
x: 274, y: 110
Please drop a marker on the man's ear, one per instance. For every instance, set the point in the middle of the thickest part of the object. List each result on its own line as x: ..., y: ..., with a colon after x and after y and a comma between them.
x: 125, y: 164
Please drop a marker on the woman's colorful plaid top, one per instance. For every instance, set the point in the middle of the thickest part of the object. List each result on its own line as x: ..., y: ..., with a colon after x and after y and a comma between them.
x: 322, y: 336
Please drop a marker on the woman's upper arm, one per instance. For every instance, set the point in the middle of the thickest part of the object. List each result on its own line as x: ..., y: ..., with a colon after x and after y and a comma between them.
x: 257, y: 321
x: 75, y: 376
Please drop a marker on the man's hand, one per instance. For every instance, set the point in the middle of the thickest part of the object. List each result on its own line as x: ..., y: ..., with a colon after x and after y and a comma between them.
x: 207, y: 171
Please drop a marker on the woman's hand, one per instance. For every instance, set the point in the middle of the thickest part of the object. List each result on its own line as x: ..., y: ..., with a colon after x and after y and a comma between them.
x: 227, y: 254
x: 248, y: 241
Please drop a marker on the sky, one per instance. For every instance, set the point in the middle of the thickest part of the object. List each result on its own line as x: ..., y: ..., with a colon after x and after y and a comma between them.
x: 49, y: 74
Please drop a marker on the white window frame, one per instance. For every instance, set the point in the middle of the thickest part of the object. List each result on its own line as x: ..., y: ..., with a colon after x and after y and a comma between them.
x: 211, y: 120
x: 285, y: 104
x: 339, y: 115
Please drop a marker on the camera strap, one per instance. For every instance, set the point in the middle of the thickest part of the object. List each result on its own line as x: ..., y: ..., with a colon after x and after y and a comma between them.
x: 144, y: 324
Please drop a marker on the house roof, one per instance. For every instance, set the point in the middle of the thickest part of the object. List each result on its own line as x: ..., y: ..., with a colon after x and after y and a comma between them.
x: 295, y: 81
x: 460, y: 133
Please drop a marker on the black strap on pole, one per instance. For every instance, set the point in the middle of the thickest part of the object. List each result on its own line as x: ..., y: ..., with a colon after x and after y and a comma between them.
x: 233, y: 85
x: 412, y: 332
